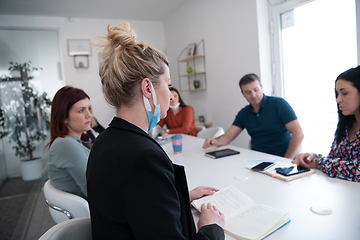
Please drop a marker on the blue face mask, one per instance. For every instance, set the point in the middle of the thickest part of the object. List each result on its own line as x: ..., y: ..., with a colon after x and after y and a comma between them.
x: 152, y: 118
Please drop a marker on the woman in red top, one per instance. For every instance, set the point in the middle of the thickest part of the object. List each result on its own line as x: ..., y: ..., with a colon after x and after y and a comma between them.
x: 180, y: 117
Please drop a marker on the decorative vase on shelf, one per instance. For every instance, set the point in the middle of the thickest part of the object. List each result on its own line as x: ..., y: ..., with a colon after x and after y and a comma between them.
x: 196, y: 84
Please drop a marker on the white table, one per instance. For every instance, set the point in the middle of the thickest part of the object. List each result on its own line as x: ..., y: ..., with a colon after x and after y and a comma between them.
x: 295, y: 197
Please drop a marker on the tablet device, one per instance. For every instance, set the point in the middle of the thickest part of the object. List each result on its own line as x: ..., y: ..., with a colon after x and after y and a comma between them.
x: 263, y: 166
x: 222, y: 153
x: 292, y: 170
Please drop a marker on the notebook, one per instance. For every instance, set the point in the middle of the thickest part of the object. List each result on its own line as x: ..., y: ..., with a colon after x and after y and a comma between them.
x: 244, y: 219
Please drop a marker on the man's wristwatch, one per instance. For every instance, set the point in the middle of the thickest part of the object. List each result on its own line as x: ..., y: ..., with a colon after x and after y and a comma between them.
x: 317, y: 159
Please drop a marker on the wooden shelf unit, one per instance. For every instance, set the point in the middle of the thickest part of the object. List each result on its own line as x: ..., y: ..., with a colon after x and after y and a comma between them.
x: 197, y: 63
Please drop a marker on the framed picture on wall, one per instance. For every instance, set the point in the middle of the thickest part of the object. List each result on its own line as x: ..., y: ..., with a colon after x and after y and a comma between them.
x: 79, y: 47
x: 191, y: 50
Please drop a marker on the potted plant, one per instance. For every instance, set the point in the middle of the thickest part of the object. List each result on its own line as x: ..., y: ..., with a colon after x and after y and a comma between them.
x: 24, y: 118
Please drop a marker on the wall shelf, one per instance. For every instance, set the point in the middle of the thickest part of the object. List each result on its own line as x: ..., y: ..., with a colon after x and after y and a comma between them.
x: 191, y: 74
x: 187, y: 59
x: 195, y: 80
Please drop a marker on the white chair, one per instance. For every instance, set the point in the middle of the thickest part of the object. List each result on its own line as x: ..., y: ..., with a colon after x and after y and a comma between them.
x: 63, y: 205
x: 200, y: 128
x: 212, y: 132
x: 73, y: 229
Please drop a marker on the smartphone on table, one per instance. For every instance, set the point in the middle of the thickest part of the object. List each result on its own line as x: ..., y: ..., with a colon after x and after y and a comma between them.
x: 292, y: 170
x: 263, y: 166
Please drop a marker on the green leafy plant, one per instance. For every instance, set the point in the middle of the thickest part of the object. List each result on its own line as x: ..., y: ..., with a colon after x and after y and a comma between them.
x: 24, y: 118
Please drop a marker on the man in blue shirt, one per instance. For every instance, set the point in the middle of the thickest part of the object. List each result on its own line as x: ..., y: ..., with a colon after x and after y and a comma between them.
x: 270, y: 121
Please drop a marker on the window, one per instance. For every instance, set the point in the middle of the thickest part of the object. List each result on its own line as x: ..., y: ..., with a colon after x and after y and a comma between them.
x: 316, y: 42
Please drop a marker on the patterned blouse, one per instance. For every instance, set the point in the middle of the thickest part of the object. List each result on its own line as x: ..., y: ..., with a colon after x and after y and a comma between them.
x: 343, y: 160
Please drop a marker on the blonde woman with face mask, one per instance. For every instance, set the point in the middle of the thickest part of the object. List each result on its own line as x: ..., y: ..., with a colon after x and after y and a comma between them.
x: 134, y: 190
x: 180, y: 117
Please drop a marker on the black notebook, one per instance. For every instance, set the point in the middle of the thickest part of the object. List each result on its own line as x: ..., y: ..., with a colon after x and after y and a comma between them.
x: 222, y: 153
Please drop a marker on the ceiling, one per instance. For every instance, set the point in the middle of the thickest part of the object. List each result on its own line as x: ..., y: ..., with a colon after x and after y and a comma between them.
x: 148, y: 10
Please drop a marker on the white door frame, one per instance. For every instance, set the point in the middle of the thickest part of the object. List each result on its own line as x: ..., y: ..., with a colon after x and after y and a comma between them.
x: 276, y: 56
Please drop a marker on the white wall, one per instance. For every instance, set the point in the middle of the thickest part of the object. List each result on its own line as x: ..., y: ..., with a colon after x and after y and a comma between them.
x: 232, y: 48
x: 87, y: 79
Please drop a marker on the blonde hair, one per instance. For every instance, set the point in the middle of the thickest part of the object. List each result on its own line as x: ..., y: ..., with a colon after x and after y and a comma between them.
x: 126, y: 63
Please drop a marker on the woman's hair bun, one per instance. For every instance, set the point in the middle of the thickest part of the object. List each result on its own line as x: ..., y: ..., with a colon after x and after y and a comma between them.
x: 121, y: 35
x: 126, y: 63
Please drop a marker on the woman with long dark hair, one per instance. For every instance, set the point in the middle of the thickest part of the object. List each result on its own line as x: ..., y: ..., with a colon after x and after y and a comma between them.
x: 180, y: 117
x: 343, y: 160
x: 70, y: 117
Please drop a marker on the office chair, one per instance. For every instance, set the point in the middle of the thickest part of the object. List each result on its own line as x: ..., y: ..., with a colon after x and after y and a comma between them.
x: 63, y: 205
x: 212, y: 132
x: 73, y: 229
x: 200, y: 128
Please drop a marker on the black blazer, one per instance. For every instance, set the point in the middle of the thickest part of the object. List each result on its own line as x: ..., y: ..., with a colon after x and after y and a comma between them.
x: 135, y: 192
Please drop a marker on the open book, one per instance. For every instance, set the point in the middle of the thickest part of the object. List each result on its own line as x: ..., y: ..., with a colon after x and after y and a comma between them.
x: 244, y: 219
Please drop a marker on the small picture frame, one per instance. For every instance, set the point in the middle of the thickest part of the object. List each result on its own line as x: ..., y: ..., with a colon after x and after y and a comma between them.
x: 79, y: 47
x: 81, y: 61
x: 191, y: 49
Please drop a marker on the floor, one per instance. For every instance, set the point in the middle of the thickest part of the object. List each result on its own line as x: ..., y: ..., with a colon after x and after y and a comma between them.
x: 24, y: 214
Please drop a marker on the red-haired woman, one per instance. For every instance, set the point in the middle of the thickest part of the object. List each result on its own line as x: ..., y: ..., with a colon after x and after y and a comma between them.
x: 70, y: 117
